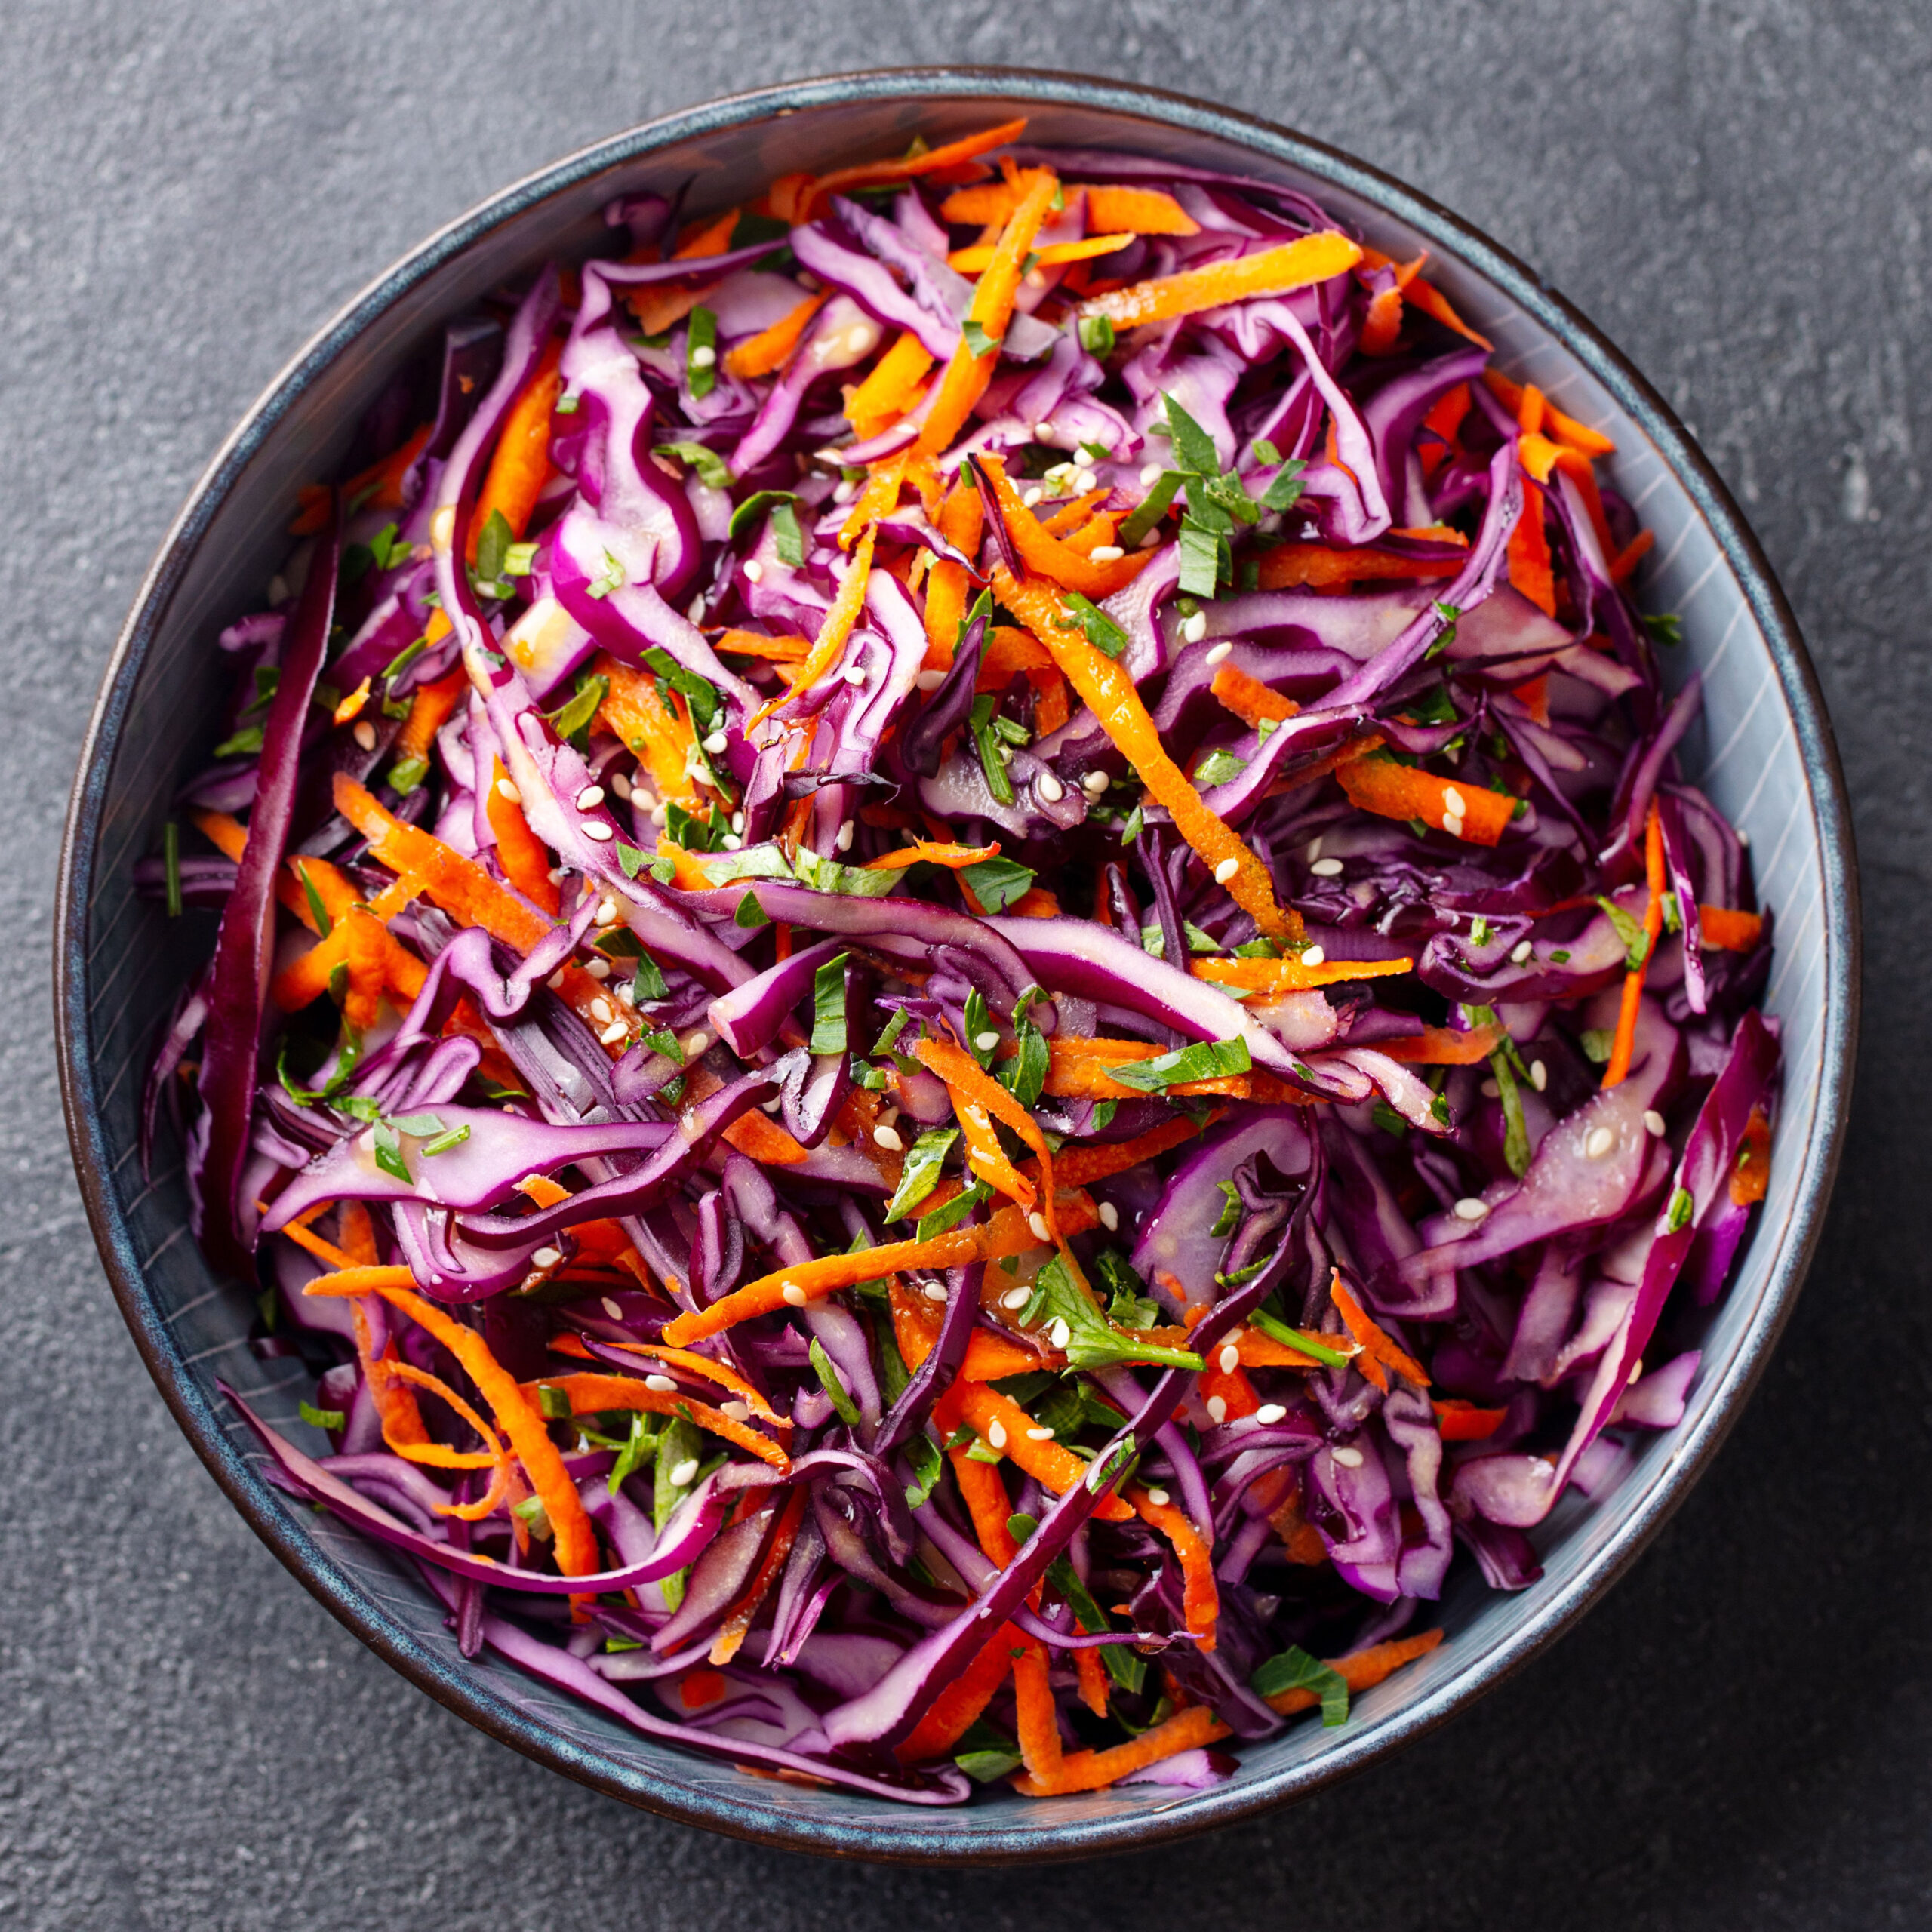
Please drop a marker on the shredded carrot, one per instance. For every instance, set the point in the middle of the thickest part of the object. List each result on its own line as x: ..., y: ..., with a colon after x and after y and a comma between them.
x: 720, y: 1373
x: 1431, y: 301
x: 1105, y: 686
x: 978, y: 1097
x: 1751, y: 1178
x: 788, y: 649
x: 953, y: 856
x: 661, y: 305
x: 1249, y: 699
x: 1047, y: 555
x: 1459, y: 1421
x: 1081, y: 1069
x: 764, y: 1141
x: 1363, y: 1671
x: 872, y: 173
x: 1724, y: 929
x: 350, y: 708
x: 879, y: 499
x: 1290, y: 975
x: 429, y: 711
x: 1534, y: 696
x: 1080, y: 1166
x: 738, y: 1621
x: 961, y: 517
x: 959, y: 1707
x: 983, y: 1489
x: 1624, y: 1042
x: 523, y: 856
x: 1464, y: 810
x: 1093, y: 1771
x: 589, y: 1392
x: 833, y: 632
x: 1201, y: 1601
x: 520, y: 465
x: 1623, y: 565
x: 1377, y: 1349
x: 1319, y: 566
x: 656, y: 727
x: 378, y: 488
x: 1278, y: 271
x: 1442, y: 1046
x: 575, y: 1540
x: 971, y: 261
x: 1553, y: 423
x: 1383, y: 322
x: 1529, y: 553
x: 702, y: 239
x: 767, y: 351
x: 1542, y: 458
x: 891, y: 389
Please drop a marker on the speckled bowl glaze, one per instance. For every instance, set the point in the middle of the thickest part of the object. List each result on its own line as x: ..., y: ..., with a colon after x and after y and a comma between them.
x: 1764, y: 750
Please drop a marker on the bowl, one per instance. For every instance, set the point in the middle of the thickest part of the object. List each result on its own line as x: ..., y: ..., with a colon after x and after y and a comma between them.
x: 1764, y: 751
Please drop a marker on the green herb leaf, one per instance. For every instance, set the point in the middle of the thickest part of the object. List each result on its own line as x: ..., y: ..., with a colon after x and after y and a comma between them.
x: 1102, y: 632
x: 1630, y: 933
x: 987, y: 740
x: 710, y: 467
x: 1446, y: 614
x: 1515, y: 1130
x: 755, y: 506
x: 1097, y: 334
x: 1206, y: 1059
x: 454, y: 1137
x: 1677, y: 1216
x: 1025, y: 1075
x: 824, y: 875
x: 928, y: 1466
x: 1229, y: 1217
x: 950, y: 1214
x: 750, y: 914
x: 1596, y: 1042
x: 701, y: 695
x: 827, y: 1373
x: 1135, y: 824
x: 573, y: 720
x: 1112, y: 1466
x: 1217, y: 768
x: 828, y: 1006
x: 329, y: 1419
x: 1285, y: 492
x: 645, y: 1433
x: 389, y: 1152
x: 1205, y: 559
x: 245, y: 743
x: 1092, y: 1341
x: 1294, y: 1669
x: 630, y: 859
x: 1310, y: 1345
x: 701, y: 351
x: 493, y: 544
x: 694, y: 834
x: 1665, y: 626
x: 989, y: 1766
x: 613, y: 576
x: 925, y: 1161
x: 1194, y: 448
x: 788, y: 538
x: 978, y: 343
x: 407, y: 774
x: 1151, y: 508
x: 996, y: 883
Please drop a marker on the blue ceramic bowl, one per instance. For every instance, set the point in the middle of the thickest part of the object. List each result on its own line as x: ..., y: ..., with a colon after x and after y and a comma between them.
x: 1764, y: 751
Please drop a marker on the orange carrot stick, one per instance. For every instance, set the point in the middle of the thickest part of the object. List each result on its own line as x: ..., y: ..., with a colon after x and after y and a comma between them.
x: 1723, y: 930
x: 720, y: 1373
x: 1080, y: 1166
x: 657, y: 729
x: 589, y: 1393
x: 833, y: 632
x: 1290, y: 975
x: 1363, y: 1671
x: 1555, y: 424
x: 1249, y: 699
x: 1093, y: 1771
x: 1390, y: 790
x: 985, y: 1097
x: 1048, y: 556
x: 877, y: 499
x: 738, y: 1622
x: 1529, y: 553
x: 1440, y: 1046
x: 1376, y: 1345
x: 971, y: 261
x: 769, y: 351
x: 1431, y: 301
x: 428, y: 712
x: 871, y: 173
x: 1289, y: 566
x: 523, y: 856
x: 1624, y: 1042
x: 891, y: 389
x: 1201, y: 1600
x: 788, y: 649
x: 1751, y: 1178
x: 520, y: 465
x: 954, y: 857
x: 1272, y: 272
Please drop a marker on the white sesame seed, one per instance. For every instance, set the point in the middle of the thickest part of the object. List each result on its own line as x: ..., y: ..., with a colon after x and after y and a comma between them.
x: 793, y: 1294
x: 664, y: 1385
x: 1095, y: 784
x: 1218, y: 652
x: 614, y: 1310
x: 601, y: 835
x: 772, y: 1105
x: 1230, y: 1358
x: 364, y: 734
x: 996, y: 1433
x: 1225, y: 870
x: 933, y: 1292
x: 1110, y: 1216
x: 507, y: 789
x: 1539, y: 1075
x: 1454, y: 802
x: 889, y: 1137
x: 1105, y: 553
x: 986, y: 1042
x: 620, y: 784
x: 696, y: 1043
x: 1327, y: 868
x: 442, y: 526
x: 606, y: 911
x: 1061, y: 474
x: 590, y: 798
x: 1032, y: 496
x: 1452, y: 825
x: 546, y: 1257
x: 1217, y: 1409
x: 1049, y: 788
x: 626, y: 990
x: 600, y: 1011
x: 1158, y: 1497
x: 845, y: 491
x: 732, y: 841
x: 685, y: 1472
x: 1492, y: 1090
x: 1195, y: 628
x: 1085, y: 481
x: 555, y: 981
x: 1059, y: 1334
x: 1653, y: 1124
x: 1599, y: 1143
x: 613, y: 1033
x: 1469, y: 1208
x: 1743, y: 837
x: 694, y: 609
x: 1039, y: 1435
x: 1349, y: 1459
x: 929, y: 680
x: 716, y: 743
x: 855, y: 675
x: 1314, y: 955
x: 1151, y: 475
x: 754, y: 569
x: 843, y: 843
x: 1152, y: 540
x: 738, y: 1412
x: 1038, y: 1223
x: 1270, y: 1412
x: 737, y: 821
x: 1636, y: 1370
x: 1014, y: 1300
x: 1312, y: 850
x: 703, y: 356
x: 1520, y: 951
x: 555, y: 875
x: 660, y: 812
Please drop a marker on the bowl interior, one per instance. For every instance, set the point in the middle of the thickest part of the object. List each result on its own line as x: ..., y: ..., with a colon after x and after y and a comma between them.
x: 1762, y: 750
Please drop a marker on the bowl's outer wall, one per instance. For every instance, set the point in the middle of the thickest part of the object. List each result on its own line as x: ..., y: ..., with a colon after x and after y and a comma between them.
x: 1763, y: 751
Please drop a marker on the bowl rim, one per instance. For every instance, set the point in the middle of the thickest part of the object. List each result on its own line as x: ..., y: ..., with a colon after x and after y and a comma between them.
x: 896, y: 1835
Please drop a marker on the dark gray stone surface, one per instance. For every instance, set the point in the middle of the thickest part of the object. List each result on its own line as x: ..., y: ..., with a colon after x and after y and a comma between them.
x: 1739, y: 190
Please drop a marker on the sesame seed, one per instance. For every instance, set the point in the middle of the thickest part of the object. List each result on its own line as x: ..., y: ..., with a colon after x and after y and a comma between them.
x: 364, y: 734
x: 696, y: 1043
x: 1049, y: 788
x: 1313, y: 956
x: 716, y: 743
x: 986, y: 1042
x: 1653, y: 1124
x: 601, y: 835
x: 731, y: 841
x: 1600, y: 1143
x: 1225, y: 870
x: 772, y: 1105
x: 613, y: 1033
x: 1270, y: 1412
x: 613, y: 1309
x: 1520, y: 951
x: 663, y: 1384
x: 855, y: 675
x: 1327, y: 868
x: 933, y: 1292
x: 1492, y: 1091
x: 685, y: 1472
x: 889, y: 1137
x: 754, y: 570
x: 929, y: 680
x: 1217, y: 1409
x: 1539, y: 1075
x: 606, y: 911
x: 996, y: 1433
x: 1195, y: 628
x: 694, y: 609
x: 660, y: 812
x: 1032, y: 496
x: 555, y: 875
x: 546, y: 1257
x: 1095, y: 784
x: 1452, y: 825
x: 1151, y: 475
x: 703, y: 356
x: 1038, y: 1223
x: 442, y: 526
x: 1230, y: 1358
x: 1016, y: 1299
x: 1216, y: 652
x: 590, y: 798
x: 1110, y: 1216
x: 620, y: 784
x: 793, y: 1295
x: 555, y: 981
x: 1105, y: 553
x: 1349, y: 1459
x: 1039, y: 1435
x: 1743, y: 837
x: 507, y: 789
x: 737, y: 821
x: 600, y: 1011
x: 1636, y: 1370
x: 1469, y: 1208
x: 1059, y: 1334
x: 626, y: 988
x: 1084, y: 480
x: 1312, y: 850
x: 1158, y: 1497
x: 843, y: 842
x: 1453, y: 801
x: 844, y: 491
x: 737, y: 1410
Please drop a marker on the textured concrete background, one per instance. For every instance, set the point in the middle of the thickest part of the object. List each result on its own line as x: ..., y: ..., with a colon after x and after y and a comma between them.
x: 1738, y: 192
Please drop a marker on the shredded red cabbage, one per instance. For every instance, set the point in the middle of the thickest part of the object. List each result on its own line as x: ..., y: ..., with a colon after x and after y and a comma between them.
x: 1064, y: 725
